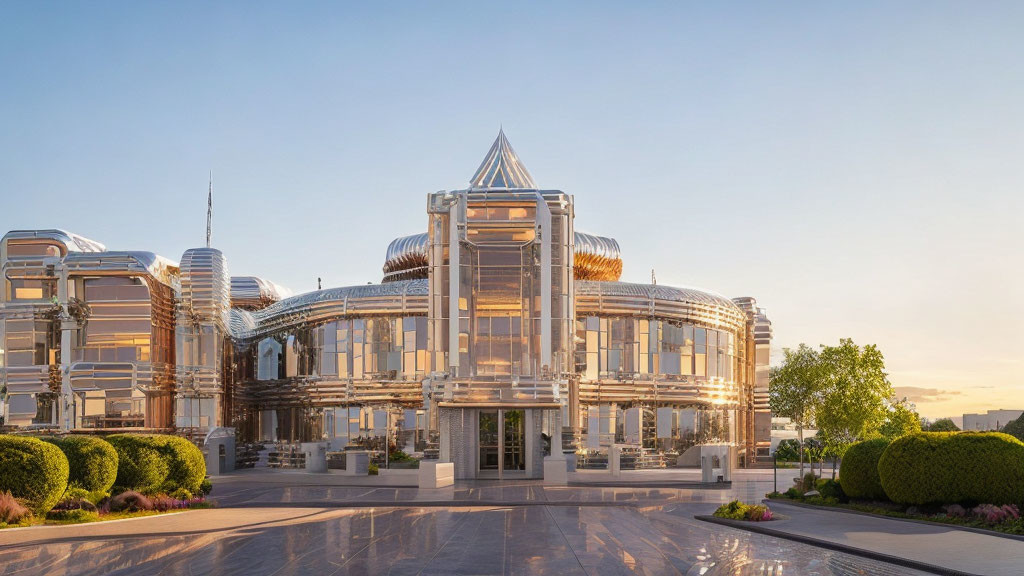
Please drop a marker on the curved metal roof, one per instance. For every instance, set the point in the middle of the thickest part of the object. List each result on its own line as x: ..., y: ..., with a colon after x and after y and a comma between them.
x: 501, y: 168
x: 657, y: 291
x: 408, y: 297
x: 72, y: 241
x: 655, y: 300
x: 596, y: 258
x: 160, y: 268
x: 406, y: 258
x: 253, y: 292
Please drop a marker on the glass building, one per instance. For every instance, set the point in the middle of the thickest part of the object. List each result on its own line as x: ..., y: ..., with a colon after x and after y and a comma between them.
x: 496, y: 336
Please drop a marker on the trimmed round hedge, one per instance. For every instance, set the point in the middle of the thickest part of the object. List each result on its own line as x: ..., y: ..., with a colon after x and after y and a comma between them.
x: 93, y: 461
x: 187, y: 465
x: 158, y: 463
x: 858, y: 472
x: 140, y: 465
x: 33, y: 470
x: 954, y: 468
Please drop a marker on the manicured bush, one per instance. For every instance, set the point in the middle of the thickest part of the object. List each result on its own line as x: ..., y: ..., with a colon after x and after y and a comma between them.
x: 205, y: 487
x: 33, y: 471
x: 11, y: 510
x: 858, y: 473
x: 950, y: 468
x: 187, y: 467
x: 158, y: 463
x: 92, y: 461
x: 141, y: 464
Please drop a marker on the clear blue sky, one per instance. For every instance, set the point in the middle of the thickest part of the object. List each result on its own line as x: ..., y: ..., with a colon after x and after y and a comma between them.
x: 855, y: 166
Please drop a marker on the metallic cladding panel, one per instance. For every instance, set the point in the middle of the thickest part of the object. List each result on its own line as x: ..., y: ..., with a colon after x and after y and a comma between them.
x: 402, y: 298
x: 594, y: 258
x: 501, y: 169
x: 203, y: 324
x: 655, y: 300
x: 205, y: 287
x: 406, y: 258
x: 255, y: 293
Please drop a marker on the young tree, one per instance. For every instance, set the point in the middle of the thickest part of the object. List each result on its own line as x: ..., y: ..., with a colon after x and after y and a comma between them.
x: 1015, y: 428
x: 794, y: 390
x: 901, y: 420
x: 855, y: 394
x: 942, y: 425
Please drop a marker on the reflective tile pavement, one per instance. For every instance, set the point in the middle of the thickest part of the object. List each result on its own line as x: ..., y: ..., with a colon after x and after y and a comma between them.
x: 562, y: 539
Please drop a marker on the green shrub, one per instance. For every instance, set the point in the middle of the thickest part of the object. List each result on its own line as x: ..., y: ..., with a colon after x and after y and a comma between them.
x: 187, y: 467
x: 205, y: 487
x: 141, y: 464
x: 737, y: 510
x: 158, y: 463
x: 954, y: 468
x: 808, y: 482
x: 73, y: 516
x: 181, y: 494
x: 793, y: 493
x: 92, y: 461
x: 75, y: 493
x: 831, y: 489
x: 858, y: 473
x: 33, y: 470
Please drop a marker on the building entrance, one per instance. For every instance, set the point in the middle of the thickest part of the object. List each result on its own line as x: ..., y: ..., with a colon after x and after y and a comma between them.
x: 502, y: 442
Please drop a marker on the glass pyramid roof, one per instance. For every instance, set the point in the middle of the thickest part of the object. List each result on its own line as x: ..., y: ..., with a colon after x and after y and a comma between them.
x: 501, y: 168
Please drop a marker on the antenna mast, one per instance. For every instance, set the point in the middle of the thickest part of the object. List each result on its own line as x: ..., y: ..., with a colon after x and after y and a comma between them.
x: 209, y: 211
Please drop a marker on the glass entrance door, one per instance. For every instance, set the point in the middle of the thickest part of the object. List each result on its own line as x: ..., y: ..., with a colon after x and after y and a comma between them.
x: 514, y: 441
x: 490, y: 442
x: 502, y: 441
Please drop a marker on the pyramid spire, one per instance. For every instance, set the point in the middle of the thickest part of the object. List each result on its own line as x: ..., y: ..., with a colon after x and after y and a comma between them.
x: 501, y: 168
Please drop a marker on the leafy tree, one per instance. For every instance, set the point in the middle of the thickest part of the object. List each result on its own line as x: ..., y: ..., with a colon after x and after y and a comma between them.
x: 1015, y: 428
x: 854, y: 396
x: 794, y: 390
x: 816, y: 451
x: 941, y: 425
x: 901, y: 420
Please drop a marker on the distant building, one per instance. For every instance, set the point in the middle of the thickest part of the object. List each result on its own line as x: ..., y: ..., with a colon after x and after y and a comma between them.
x: 992, y: 420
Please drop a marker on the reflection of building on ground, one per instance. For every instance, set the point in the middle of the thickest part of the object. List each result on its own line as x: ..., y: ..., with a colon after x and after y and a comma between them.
x: 496, y: 333
x: 991, y: 420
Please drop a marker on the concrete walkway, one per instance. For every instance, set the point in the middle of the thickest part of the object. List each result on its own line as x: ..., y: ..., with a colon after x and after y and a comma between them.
x: 944, y: 547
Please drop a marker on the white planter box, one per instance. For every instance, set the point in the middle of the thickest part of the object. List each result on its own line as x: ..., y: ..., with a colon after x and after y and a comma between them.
x: 436, y: 474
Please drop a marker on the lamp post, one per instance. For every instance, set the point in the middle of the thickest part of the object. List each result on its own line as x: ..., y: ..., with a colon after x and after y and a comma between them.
x: 775, y: 471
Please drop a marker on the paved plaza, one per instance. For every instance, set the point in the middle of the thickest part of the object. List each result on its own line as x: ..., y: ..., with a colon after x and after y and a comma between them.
x: 274, y: 523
